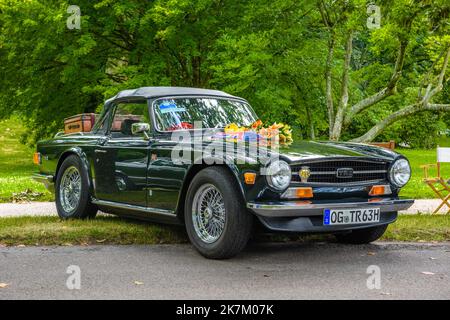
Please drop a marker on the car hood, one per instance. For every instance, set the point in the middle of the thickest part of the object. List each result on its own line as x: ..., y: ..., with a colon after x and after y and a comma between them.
x: 302, y: 150
x: 306, y: 150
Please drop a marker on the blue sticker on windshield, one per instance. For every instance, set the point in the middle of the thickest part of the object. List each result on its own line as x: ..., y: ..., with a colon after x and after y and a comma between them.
x: 170, y: 107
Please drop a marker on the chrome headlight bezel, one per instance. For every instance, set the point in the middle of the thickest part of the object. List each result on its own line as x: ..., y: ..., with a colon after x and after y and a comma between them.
x: 400, y: 172
x: 278, y: 175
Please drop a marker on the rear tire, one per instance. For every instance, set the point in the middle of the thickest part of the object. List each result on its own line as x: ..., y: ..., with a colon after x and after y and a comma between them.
x: 73, y: 198
x: 362, y: 236
x: 217, y: 221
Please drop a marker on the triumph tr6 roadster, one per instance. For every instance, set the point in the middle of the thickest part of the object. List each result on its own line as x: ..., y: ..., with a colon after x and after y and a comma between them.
x: 130, y: 164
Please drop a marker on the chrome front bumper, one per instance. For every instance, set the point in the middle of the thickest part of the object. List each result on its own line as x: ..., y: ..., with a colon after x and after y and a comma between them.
x: 315, y: 208
x: 47, y: 180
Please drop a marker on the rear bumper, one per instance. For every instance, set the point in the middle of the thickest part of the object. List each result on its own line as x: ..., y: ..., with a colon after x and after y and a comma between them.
x: 307, y: 217
x: 315, y: 208
x: 47, y: 180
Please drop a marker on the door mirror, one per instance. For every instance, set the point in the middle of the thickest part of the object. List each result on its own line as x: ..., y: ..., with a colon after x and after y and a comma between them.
x: 140, y: 127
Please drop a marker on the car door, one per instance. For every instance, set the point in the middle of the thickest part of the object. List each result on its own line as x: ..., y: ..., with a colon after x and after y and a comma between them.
x: 165, y: 178
x: 121, y: 160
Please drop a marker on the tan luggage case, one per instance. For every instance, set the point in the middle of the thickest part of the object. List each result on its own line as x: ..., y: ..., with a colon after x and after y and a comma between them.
x: 79, y: 123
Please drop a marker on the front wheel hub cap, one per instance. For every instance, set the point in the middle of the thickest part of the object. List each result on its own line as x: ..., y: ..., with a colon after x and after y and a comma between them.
x: 70, y: 189
x: 208, y: 213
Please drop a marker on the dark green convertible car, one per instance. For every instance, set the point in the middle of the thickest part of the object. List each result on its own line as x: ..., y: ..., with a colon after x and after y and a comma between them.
x: 148, y: 156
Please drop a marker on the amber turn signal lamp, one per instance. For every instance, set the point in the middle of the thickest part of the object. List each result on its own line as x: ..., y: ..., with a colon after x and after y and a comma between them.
x: 379, y: 190
x: 37, y: 158
x: 250, y: 177
x: 304, y: 192
x: 298, y: 193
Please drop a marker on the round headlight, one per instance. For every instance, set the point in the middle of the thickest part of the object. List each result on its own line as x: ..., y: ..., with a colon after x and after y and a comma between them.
x: 400, y: 172
x: 279, y: 175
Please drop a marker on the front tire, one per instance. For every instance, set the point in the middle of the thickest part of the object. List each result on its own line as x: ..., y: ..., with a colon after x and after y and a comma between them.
x: 73, y: 199
x: 362, y: 236
x: 217, y: 222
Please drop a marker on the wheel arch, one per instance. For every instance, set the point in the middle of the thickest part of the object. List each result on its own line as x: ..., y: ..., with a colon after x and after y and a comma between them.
x: 192, y: 172
x: 84, y: 162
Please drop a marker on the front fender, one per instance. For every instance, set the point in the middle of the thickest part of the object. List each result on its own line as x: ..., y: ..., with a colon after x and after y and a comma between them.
x: 230, y: 164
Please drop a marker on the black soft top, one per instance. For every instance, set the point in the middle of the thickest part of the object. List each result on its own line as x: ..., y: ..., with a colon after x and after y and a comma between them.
x: 158, y: 92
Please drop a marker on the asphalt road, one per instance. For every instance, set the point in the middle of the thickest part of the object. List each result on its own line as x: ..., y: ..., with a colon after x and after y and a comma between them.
x: 263, y: 271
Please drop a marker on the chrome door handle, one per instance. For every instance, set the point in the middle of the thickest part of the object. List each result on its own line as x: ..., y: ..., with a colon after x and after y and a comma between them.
x: 99, y: 151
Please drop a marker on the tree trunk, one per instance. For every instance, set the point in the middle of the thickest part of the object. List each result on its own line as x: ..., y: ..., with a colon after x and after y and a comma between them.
x: 343, y: 104
x: 329, y: 83
x: 422, y: 105
x: 380, y: 126
x: 310, y: 119
x: 383, y: 93
x: 400, y: 114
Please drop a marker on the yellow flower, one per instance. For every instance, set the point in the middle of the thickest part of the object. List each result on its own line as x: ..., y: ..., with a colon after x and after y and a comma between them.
x: 232, y: 127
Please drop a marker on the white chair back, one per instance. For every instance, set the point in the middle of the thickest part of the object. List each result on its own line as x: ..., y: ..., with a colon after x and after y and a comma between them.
x: 443, y: 154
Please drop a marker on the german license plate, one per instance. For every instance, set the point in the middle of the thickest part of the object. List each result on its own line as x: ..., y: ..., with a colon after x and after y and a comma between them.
x: 350, y: 216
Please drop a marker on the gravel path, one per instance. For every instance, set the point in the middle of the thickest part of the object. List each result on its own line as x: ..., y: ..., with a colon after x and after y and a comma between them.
x: 27, y: 209
x: 426, y: 206
x: 49, y: 209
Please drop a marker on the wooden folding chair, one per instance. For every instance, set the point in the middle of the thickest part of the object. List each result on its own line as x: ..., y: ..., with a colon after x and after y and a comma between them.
x: 436, y: 183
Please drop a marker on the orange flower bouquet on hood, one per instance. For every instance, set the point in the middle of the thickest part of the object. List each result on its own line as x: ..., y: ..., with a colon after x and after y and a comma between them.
x: 257, y: 131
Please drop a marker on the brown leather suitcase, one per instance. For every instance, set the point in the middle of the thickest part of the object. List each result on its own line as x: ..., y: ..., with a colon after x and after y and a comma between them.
x: 79, y: 123
x: 387, y: 145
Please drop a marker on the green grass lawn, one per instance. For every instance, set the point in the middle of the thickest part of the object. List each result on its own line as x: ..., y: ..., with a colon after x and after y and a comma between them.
x: 416, y: 188
x: 33, y: 231
x: 419, y: 228
x: 102, y: 230
x: 16, y: 165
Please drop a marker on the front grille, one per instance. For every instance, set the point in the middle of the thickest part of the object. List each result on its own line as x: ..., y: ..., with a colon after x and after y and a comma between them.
x: 326, y: 171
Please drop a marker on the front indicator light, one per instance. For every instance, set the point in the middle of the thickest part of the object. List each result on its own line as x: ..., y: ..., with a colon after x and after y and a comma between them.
x: 380, y: 190
x: 249, y: 177
x: 37, y: 158
x: 298, y: 193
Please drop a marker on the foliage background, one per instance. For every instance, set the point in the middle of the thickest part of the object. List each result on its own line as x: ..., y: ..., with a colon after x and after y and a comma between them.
x: 273, y: 53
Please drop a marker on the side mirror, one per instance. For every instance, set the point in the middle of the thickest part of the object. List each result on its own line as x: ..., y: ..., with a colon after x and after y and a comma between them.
x: 140, y: 127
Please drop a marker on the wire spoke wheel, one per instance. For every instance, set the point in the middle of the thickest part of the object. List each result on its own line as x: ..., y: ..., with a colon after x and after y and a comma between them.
x: 70, y: 189
x: 208, y: 213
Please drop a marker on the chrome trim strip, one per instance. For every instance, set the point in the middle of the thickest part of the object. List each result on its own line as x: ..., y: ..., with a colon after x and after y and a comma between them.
x: 338, y: 184
x: 47, y: 180
x: 306, y: 208
x: 335, y: 172
x: 39, y: 177
x: 163, y: 212
x: 340, y: 158
x: 369, y: 171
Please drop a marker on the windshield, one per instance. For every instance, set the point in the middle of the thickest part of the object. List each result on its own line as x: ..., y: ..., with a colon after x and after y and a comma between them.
x: 181, y: 113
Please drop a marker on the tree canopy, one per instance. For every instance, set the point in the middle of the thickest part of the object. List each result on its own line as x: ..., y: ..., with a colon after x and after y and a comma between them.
x: 322, y: 66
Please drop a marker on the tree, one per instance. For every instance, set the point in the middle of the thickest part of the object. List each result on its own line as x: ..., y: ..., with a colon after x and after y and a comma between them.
x: 313, y: 64
x: 273, y: 56
x: 51, y: 72
x: 404, y: 20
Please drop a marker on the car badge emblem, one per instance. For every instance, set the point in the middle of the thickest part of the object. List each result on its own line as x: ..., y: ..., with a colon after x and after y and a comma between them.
x: 304, y: 174
x: 344, y: 173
